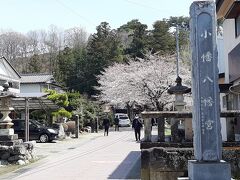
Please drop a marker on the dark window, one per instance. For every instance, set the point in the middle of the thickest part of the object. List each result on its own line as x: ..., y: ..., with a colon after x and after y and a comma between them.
x: 18, y: 124
x: 237, y: 25
x: 122, y: 117
x: 10, y: 84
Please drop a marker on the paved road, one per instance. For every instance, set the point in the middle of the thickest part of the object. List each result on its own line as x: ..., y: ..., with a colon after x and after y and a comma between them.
x: 92, y: 157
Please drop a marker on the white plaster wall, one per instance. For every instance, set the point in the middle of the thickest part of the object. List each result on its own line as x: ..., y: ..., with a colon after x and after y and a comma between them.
x: 221, y: 67
x: 30, y: 88
x: 223, y: 121
x: 230, y: 41
x: 220, y: 48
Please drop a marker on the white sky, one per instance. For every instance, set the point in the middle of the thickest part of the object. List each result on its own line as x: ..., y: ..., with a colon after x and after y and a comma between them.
x: 26, y: 15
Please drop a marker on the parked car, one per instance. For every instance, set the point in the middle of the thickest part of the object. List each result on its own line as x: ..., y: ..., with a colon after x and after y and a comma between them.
x: 36, y: 130
x: 124, y: 120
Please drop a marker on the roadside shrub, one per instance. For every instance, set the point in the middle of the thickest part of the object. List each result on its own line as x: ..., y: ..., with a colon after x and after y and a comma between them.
x: 71, y: 126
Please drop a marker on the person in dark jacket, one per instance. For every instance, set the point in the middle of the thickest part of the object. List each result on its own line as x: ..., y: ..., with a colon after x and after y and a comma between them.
x: 116, y: 123
x: 106, y: 124
x: 137, y: 125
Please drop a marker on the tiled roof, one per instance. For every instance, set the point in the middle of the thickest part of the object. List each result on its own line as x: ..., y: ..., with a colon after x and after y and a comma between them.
x: 36, y: 78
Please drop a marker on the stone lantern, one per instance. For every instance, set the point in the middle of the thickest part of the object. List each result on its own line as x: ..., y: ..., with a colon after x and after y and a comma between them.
x: 178, y: 90
x: 6, y: 132
x: 12, y: 149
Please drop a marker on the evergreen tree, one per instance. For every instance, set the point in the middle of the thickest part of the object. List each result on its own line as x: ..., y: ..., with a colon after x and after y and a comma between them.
x: 103, y: 49
x: 80, y: 71
x: 34, y: 65
x: 138, y: 33
x: 161, y: 40
x: 65, y: 66
x: 183, y: 24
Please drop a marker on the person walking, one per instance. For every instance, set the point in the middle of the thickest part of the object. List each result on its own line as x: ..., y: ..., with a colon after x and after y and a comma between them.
x: 106, y: 124
x: 116, y: 123
x: 137, y: 125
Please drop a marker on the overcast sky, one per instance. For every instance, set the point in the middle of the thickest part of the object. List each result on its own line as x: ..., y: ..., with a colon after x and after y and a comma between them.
x: 26, y: 15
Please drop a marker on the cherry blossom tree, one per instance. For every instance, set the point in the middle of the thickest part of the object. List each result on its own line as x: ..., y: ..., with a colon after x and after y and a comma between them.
x: 143, y: 82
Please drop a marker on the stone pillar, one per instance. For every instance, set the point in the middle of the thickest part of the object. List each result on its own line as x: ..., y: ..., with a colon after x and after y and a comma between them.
x: 77, y: 126
x: 26, y: 120
x: 96, y: 124
x: 188, y: 129
x: 161, y: 129
x: 147, y: 129
x: 174, y: 129
x: 206, y: 107
x: 230, y: 129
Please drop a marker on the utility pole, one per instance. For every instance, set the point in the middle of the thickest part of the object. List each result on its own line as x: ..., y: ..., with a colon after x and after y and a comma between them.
x: 177, y: 49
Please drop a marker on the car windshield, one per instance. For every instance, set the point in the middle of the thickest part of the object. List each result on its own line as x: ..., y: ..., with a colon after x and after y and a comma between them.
x: 36, y: 123
x: 123, y: 117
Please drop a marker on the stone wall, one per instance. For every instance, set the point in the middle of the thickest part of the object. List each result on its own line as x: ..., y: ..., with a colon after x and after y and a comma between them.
x: 166, y: 163
x: 19, y: 153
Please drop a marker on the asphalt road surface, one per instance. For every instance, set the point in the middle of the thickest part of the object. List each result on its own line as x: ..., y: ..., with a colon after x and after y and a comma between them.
x: 91, y: 157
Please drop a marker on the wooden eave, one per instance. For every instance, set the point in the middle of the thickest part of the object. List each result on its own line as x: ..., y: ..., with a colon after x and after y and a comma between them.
x: 234, y: 10
x: 223, y: 7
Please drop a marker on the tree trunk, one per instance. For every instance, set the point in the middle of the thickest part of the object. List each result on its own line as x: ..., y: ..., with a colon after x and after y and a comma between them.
x: 130, y: 111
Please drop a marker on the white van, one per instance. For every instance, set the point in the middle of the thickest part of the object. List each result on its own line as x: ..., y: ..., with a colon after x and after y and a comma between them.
x: 124, y: 120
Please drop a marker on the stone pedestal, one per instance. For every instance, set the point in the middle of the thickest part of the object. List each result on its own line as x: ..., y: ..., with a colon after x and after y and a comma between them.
x: 8, y: 137
x: 9, y: 131
x: 212, y: 170
x: 10, y: 140
x: 11, y: 143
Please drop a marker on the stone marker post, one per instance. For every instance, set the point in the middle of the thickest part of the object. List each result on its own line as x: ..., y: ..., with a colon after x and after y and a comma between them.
x: 77, y: 126
x: 206, y: 109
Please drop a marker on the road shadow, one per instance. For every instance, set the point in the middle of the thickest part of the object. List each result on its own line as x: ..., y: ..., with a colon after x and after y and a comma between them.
x: 129, y: 168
